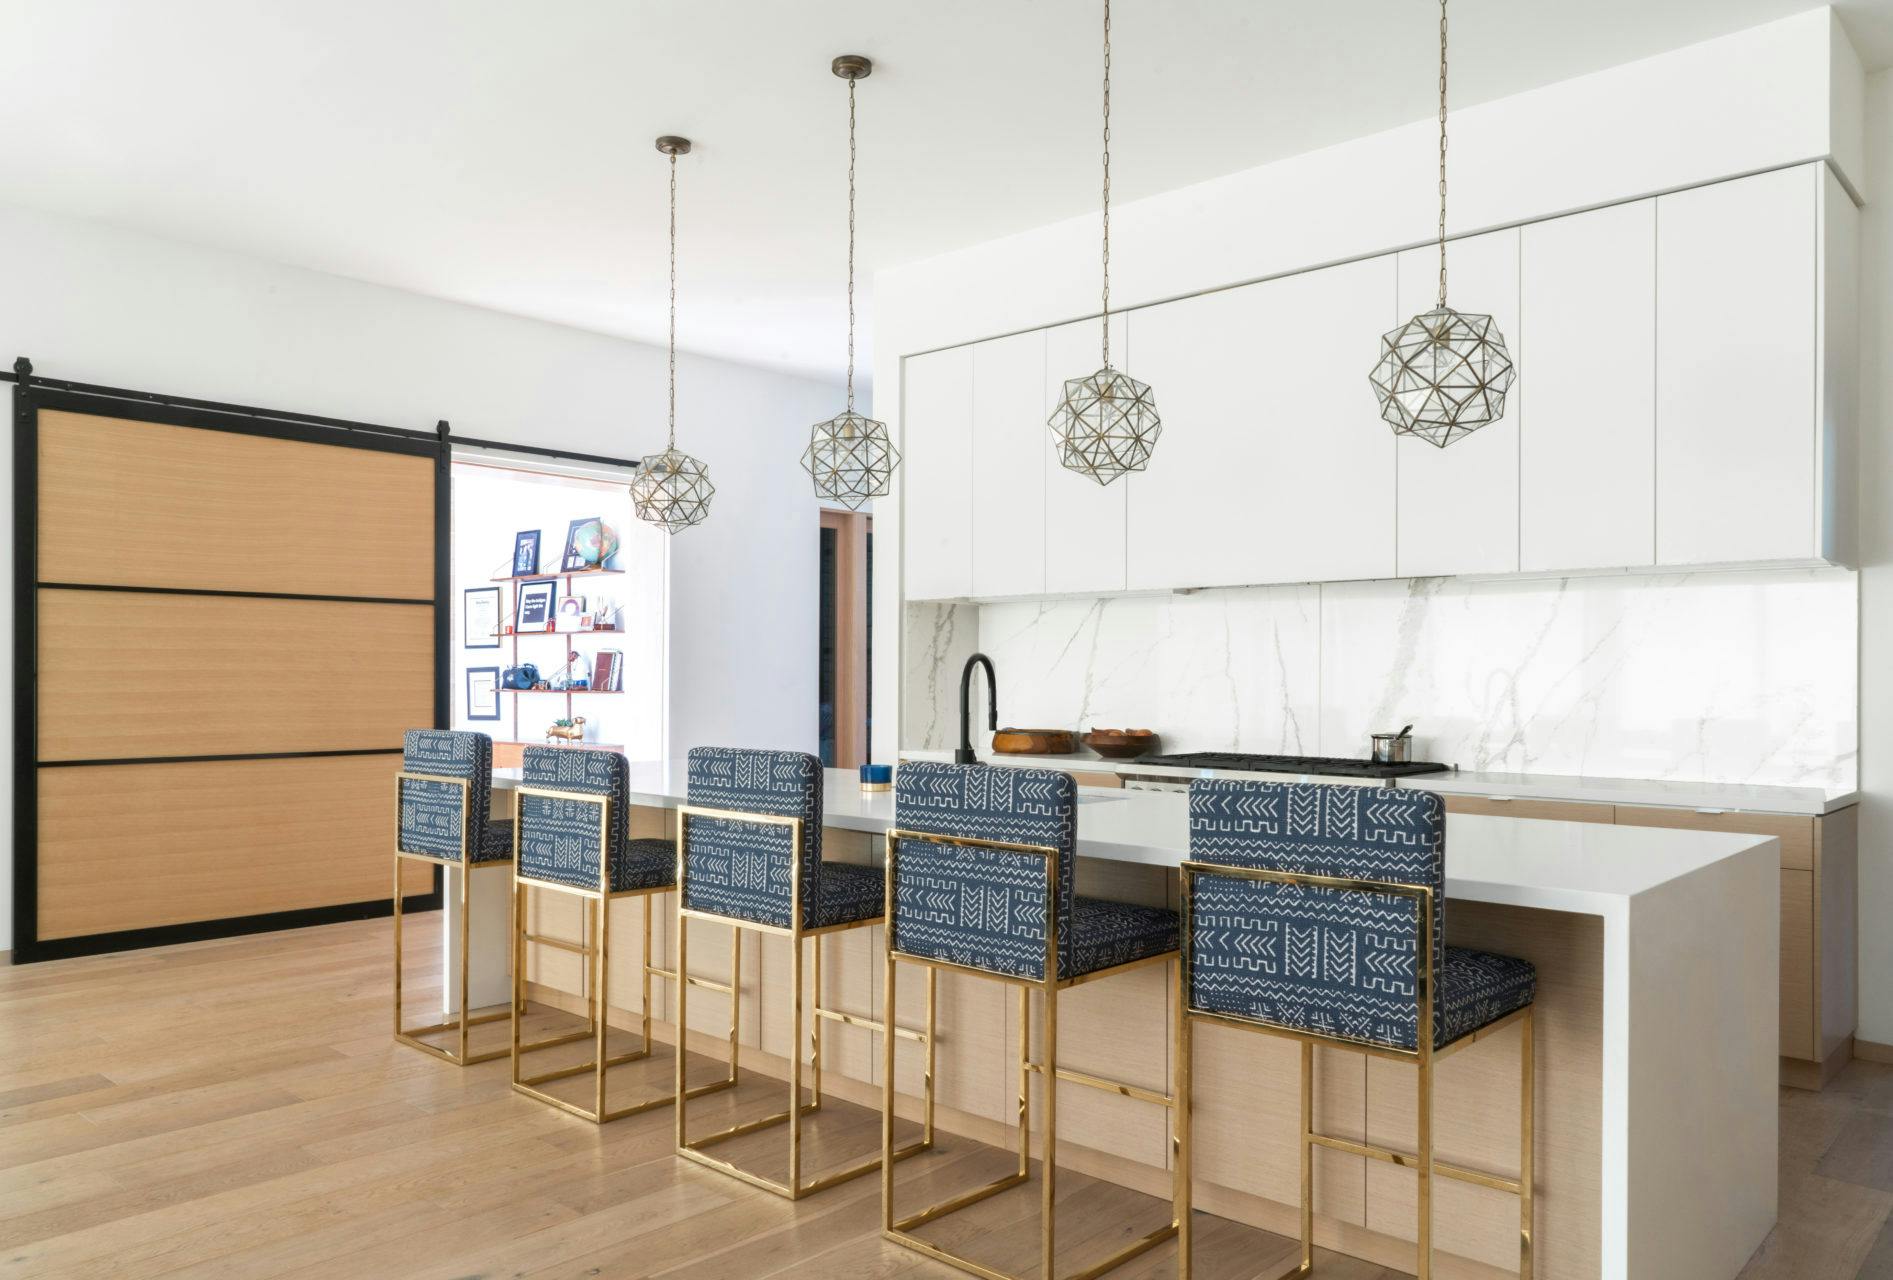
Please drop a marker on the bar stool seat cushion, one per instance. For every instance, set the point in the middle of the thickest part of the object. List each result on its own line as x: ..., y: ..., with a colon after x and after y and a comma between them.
x: 560, y: 840
x: 851, y: 893
x: 497, y: 843
x: 1477, y: 988
x: 1108, y: 934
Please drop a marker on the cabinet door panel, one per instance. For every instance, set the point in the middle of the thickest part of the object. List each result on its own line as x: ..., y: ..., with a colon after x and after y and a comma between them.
x: 1273, y: 466
x: 1587, y: 341
x: 1459, y: 505
x: 1008, y: 471
x: 1735, y: 370
x: 1084, y: 521
x: 936, y: 476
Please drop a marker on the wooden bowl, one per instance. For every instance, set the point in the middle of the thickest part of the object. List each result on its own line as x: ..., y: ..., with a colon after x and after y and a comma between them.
x: 1035, y: 742
x: 1121, y: 744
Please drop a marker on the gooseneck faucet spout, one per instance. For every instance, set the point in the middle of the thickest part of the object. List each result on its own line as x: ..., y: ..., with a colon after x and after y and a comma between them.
x: 965, y: 753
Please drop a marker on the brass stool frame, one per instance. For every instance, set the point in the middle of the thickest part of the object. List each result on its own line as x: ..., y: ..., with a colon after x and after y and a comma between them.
x: 899, y: 1229
x: 1423, y: 1056
x: 597, y: 1002
x: 693, y: 1149
x: 410, y: 1036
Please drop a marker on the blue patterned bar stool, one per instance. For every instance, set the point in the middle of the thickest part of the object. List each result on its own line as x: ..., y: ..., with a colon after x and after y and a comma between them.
x: 749, y: 854
x: 571, y: 836
x: 1318, y: 913
x: 980, y: 865
x: 441, y: 796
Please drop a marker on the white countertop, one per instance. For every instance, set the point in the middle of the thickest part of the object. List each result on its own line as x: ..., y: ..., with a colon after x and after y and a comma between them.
x: 1585, y: 867
x: 1629, y: 791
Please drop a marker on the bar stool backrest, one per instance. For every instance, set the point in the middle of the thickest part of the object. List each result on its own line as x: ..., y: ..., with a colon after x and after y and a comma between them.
x: 1333, y: 961
x: 983, y: 908
x: 741, y: 869
x: 434, y: 816
x: 559, y: 839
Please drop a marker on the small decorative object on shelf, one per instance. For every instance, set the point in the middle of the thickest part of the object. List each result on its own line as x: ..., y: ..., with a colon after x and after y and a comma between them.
x: 523, y: 676
x: 607, y: 671
x: 589, y: 544
x: 569, y: 730
x: 575, y: 674
x: 877, y: 777
x: 571, y: 609
x: 536, y: 599
x: 525, y: 553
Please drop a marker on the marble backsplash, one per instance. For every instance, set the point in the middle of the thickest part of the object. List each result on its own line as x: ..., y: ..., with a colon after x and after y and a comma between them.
x: 1743, y: 677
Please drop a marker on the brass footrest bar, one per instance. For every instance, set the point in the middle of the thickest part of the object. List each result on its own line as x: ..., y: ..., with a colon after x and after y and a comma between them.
x: 752, y: 1126
x: 1407, y: 1161
x: 561, y: 944
x: 454, y: 1025
x: 569, y: 1037
x: 1104, y: 1085
x: 869, y: 1024
x: 448, y: 1056
x: 636, y: 1108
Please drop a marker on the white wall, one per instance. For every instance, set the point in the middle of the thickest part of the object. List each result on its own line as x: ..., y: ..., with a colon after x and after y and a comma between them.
x: 97, y: 304
x: 1876, y: 571
x: 1783, y: 93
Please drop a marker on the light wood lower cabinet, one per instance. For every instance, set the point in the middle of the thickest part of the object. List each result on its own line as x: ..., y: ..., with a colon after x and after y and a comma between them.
x: 1517, y: 807
x: 1819, y: 858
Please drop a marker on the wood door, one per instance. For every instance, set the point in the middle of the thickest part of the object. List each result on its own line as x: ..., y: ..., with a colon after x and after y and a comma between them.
x: 231, y: 624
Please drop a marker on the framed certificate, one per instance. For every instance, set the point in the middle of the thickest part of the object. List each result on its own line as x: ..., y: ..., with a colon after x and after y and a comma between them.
x: 483, y: 693
x: 480, y: 618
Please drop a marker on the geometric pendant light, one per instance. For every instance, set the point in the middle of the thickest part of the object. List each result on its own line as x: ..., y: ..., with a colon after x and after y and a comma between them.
x: 672, y: 489
x: 850, y: 456
x: 1443, y: 374
x: 1106, y: 424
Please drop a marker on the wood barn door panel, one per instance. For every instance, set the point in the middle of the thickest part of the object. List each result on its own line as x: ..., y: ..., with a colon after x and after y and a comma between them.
x: 136, y: 846
x: 152, y: 505
x: 131, y: 675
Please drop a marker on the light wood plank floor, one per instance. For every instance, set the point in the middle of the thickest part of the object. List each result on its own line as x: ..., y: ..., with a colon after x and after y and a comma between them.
x: 237, y: 1109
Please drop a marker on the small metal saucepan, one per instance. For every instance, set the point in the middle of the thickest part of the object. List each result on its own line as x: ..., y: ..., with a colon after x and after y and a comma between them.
x: 1393, y: 748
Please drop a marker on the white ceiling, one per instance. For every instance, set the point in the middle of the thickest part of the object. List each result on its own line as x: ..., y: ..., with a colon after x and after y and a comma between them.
x: 499, y: 153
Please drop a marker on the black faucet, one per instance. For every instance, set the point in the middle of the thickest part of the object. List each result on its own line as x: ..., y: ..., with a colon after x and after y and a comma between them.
x: 965, y: 753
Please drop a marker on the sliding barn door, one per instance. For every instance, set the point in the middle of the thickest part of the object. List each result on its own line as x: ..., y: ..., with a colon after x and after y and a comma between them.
x: 233, y: 622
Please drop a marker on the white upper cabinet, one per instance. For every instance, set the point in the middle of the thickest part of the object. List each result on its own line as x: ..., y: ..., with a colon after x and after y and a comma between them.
x: 1008, y: 474
x: 1586, y: 349
x: 1084, y: 521
x: 1270, y: 468
x: 1736, y: 370
x: 1458, y: 506
x: 937, y: 474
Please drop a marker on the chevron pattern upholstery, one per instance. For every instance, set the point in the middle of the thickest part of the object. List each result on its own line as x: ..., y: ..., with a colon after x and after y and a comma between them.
x: 431, y: 815
x: 985, y: 908
x: 741, y: 869
x: 1332, y: 961
x: 558, y: 839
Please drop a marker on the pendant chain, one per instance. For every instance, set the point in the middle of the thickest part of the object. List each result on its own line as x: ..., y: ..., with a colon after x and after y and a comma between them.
x: 1442, y: 154
x: 1107, y: 185
x: 850, y: 244
x: 673, y: 300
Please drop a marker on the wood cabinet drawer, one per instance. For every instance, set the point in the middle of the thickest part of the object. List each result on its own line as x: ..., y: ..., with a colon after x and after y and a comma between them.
x: 1795, y: 833
x: 1552, y: 810
x: 1098, y: 778
x: 1797, y: 965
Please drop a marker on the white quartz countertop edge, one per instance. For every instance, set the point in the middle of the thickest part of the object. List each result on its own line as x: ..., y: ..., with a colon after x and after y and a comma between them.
x: 1584, y: 867
x: 1656, y: 792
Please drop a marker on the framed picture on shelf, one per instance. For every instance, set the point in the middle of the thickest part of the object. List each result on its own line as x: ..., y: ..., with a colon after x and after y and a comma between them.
x: 525, y: 553
x: 480, y: 618
x: 575, y: 559
x: 571, y: 614
x: 607, y: 671
x: 483, y: 693
x: 536, y: 599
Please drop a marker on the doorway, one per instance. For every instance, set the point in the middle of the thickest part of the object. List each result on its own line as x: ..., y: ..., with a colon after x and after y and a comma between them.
x: 846, y: 709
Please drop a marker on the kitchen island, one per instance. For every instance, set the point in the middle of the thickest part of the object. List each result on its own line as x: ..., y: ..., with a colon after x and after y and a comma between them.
x: 1656, y: 1110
